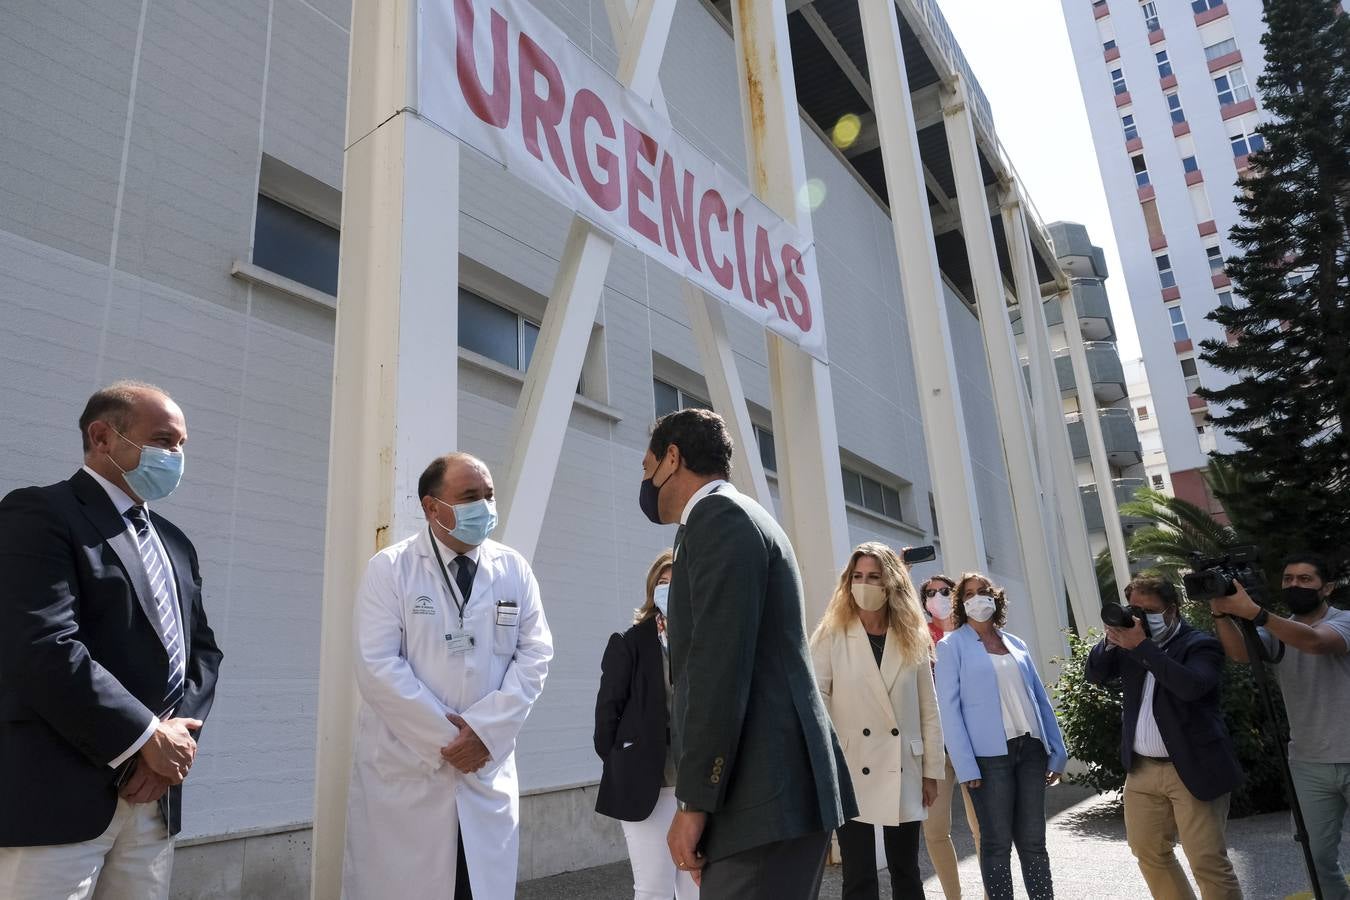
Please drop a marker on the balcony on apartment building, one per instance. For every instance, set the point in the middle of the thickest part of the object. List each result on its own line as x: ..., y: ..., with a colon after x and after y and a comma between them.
x: 1075, y: 251
x: 1118, y: 433
x: 1104, y: 368
x: 1092, y: 507
x: 1094, y: 312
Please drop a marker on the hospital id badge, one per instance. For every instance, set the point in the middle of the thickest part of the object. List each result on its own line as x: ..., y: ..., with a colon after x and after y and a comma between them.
x: 507, y: 612
x: 458, y: 642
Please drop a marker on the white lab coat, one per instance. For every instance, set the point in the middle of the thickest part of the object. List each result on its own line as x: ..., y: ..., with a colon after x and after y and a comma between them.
x: 407, y: 804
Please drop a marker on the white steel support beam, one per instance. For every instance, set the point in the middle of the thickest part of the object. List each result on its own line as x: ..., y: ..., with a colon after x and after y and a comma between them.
x: 925, y: 304
x: 1092, y: 425
x: 539, y: 426
x: 805, y: 432
x: 1058, y: 478
x: 1044, y: 585
x: 396, y: 316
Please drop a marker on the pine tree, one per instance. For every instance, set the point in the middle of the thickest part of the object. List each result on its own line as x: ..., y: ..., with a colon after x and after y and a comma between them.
x: 1289, y: 343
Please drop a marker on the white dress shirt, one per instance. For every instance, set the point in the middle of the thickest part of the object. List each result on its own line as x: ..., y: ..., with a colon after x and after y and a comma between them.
x: 123, y: 502
x: 703, y: 492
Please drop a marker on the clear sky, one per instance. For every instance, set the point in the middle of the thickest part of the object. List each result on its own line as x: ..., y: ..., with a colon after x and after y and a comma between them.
x: 1020, y: 54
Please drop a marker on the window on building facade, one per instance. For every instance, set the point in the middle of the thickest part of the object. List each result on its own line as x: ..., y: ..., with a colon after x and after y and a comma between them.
x: 768, y: 454
x: 1244, y: 141
x: 671, y: 399
x: 1151, y: 16
x: 1140, y: 169
x: 871, y: 494
x: 1200, y: 6
x: 1165, y: 276
x: 1226, y: 299
x: 1191, y: 374
x: 1215, y: 257
x: 1141, y: 413
x: 1188, y: 164
x: 1131, y: 130
x: 1179, y: 332
x: 496, y: 332
x: 295, y: 245
x: 1157, y: 482
x: 1231, y: 86
x: 1174, y: 107
x: 1118, y: 81
x: 1164, y: 63
x: 1108, y: 46
x: 1222, y: 48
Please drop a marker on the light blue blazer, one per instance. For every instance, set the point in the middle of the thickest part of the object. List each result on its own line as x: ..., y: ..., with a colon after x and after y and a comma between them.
x: 968, y: 703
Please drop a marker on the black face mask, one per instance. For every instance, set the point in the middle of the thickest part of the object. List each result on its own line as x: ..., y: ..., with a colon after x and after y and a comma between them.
x: 649, y: 495
x: 1301, y: 600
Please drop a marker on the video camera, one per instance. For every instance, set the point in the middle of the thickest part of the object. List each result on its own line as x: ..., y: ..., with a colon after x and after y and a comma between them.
x: 1213, y: 576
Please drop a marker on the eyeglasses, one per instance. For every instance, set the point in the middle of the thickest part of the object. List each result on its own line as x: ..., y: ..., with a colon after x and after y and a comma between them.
x: 929, y: 592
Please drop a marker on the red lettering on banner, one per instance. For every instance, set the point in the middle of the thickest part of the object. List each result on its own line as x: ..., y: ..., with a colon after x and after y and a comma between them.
x: 588, y: 105
x: 794, y: 269
x: 710, y: 207
x: 738, y: 225
x: 536, y: 110
x: 640, y: 185
x: 677, y: 212
x: 494, y: 108
x: 766, y: 274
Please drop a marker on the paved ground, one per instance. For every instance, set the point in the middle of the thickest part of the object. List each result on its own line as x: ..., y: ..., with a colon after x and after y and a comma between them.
x: 1088, y: 854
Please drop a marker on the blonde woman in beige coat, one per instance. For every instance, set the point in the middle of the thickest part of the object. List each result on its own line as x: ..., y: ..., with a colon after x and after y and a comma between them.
x: 871, y: 653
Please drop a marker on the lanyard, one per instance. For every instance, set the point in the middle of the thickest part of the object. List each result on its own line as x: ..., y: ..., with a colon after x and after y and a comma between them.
x: 449, y: 586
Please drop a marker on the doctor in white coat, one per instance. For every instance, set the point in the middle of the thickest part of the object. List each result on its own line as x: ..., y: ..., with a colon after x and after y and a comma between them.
x: 452, y: 651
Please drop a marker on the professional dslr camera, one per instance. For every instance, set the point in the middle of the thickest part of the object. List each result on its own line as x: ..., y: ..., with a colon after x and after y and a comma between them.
x: 1213, y: 576
x: 1118, y: 616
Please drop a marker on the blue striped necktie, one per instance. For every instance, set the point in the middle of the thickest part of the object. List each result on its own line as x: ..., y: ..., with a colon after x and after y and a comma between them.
x: 166, y: 623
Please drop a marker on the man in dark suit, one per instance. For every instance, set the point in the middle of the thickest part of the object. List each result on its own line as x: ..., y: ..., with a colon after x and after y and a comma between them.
x: 107, y: 664
x: 1174, y: 745
x: 760, y: 779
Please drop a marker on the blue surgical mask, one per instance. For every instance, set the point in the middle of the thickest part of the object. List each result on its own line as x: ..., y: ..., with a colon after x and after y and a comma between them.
x: 158, y: 473
x: 473, y: 521
x: 660, y: 597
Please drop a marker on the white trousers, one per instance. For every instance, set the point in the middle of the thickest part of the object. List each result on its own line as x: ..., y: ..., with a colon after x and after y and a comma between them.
x: 654, y: 874
x: 132, y: 860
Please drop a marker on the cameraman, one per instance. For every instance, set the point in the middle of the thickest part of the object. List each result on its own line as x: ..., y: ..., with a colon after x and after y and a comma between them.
x: 1174, y: 746
x: 1314, y: 677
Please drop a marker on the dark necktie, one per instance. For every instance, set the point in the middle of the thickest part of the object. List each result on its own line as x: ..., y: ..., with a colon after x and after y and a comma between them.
x: 465, y: 569
x: 166, y: 624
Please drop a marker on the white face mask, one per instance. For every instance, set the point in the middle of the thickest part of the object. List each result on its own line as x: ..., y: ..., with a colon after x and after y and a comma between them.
x: 939, y: 607
x: 660, y: 597
x: 870, y: 597
x: 980, y: 607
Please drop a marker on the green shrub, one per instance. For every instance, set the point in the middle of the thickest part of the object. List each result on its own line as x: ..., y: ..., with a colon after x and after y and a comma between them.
x: 1090, y: 715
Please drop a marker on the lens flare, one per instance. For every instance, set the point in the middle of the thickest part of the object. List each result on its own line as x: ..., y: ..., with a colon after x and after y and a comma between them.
x: 846, y: 131
x: 812, y: 194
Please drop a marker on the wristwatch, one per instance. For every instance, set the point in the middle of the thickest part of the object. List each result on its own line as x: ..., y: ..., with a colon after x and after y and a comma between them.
x: 1261, y: 618
x: 685, y: 807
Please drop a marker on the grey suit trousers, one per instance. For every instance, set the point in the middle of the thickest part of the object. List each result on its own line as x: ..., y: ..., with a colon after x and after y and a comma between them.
x: 783, y: 870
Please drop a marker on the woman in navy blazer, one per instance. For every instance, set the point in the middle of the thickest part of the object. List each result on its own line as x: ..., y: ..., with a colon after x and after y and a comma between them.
x: 1001, y: 734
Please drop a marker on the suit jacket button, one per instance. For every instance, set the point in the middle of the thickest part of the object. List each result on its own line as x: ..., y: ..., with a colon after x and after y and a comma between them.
x: 716, y: 778
x: 895, y: 732
x: 719, y: 761
x: 866, y: 771
x: 867, y: 732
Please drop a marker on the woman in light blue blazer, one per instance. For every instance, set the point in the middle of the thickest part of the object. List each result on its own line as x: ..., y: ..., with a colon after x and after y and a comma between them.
x: 1001, y: 734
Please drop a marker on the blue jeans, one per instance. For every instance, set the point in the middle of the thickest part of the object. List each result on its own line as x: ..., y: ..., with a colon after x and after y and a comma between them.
x: 1324, y: 794
x: 1010, y: 804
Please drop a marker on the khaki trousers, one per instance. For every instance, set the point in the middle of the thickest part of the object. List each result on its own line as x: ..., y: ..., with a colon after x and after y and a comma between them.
x: 1158, y: 809
x: 937, y: 833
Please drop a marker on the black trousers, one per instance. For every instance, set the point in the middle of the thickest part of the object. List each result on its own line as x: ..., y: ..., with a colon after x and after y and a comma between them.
x: 783, y: 870
x: 462, y: 889
x: 857, y: 846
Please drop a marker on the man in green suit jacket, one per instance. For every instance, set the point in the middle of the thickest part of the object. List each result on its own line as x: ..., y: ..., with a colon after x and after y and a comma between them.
x: 760, y: 778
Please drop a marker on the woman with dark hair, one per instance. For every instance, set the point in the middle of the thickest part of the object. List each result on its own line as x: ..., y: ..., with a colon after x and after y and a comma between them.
x: 632, y: 736
x: 1005, y: 744
x: 872, y: 655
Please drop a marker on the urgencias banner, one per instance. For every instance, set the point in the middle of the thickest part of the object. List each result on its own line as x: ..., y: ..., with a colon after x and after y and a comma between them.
x: 502, y: 78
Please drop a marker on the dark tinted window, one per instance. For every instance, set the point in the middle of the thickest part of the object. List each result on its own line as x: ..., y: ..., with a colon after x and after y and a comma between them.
x: 295, y: 245
x: 487, y: 329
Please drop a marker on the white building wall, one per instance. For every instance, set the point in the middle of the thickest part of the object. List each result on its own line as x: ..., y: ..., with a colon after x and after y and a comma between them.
x: 158, y: 176
x: 1185, y: 42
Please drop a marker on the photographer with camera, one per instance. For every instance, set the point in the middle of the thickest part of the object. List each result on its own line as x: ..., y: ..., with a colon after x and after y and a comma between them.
x: 1310, y: 655
x: 1177, y: 754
